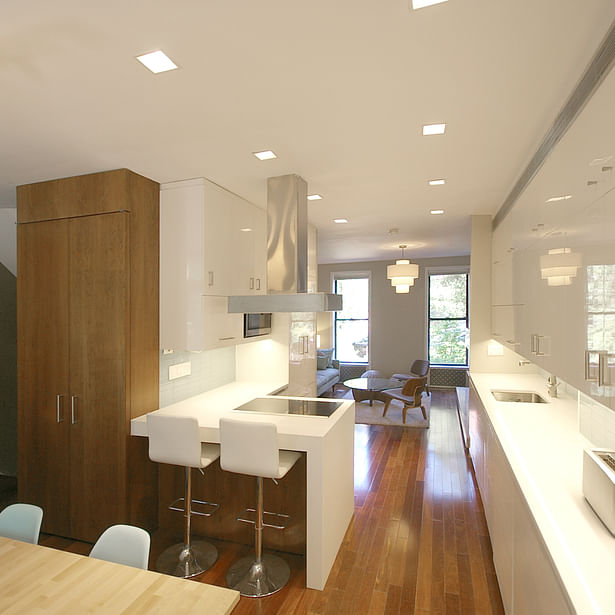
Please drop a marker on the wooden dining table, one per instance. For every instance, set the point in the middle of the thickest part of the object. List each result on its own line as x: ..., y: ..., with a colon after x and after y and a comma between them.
x: 36, y: 579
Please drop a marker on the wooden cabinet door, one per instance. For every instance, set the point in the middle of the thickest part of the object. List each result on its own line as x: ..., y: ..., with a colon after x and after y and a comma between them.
x: 43, y: 391
x: 99, y: 334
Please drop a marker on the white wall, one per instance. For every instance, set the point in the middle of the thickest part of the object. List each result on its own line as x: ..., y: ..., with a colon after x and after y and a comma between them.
x: 397, y: 322
x: 8, y: 239
x: 265, y: 360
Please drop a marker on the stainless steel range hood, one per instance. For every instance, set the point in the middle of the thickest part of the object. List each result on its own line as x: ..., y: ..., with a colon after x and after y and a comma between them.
x: 287, y: 255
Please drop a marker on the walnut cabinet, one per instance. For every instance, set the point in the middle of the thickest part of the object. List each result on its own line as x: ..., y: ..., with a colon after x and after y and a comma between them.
x: 87, y: 289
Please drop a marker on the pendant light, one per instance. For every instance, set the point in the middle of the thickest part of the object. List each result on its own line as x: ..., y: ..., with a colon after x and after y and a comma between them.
x: 403, y: 273
x: 559, y: 266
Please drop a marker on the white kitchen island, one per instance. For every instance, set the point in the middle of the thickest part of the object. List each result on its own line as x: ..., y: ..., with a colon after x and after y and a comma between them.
x: 329, y: 446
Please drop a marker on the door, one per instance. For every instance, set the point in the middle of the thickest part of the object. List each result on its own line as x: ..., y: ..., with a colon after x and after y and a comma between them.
x: 98, y: 342
x: 43, y: 388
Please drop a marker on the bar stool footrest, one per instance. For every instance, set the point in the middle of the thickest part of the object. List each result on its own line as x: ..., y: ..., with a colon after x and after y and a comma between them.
x: 178, y: 505
x: 276, y: 521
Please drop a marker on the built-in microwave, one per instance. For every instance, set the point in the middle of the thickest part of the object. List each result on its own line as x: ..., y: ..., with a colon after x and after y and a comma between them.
x: 256, y: 324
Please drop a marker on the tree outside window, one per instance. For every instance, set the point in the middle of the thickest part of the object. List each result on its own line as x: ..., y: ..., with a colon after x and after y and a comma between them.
x: 448, y: 319
x: 352, y: 323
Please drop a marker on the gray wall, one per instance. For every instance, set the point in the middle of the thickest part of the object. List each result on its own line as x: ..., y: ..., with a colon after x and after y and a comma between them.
x: 397, y: 322
x: 8, y: 372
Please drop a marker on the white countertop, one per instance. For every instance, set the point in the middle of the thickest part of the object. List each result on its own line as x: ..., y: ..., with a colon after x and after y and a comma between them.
x: 294, y: 431
x: 545, y: 451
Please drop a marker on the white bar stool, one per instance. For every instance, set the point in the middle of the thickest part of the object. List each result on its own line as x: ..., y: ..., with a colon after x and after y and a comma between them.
x: 176, y: 440
x: 250, y: 447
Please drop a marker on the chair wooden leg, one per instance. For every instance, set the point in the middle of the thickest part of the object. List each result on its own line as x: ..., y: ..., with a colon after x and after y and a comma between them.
x: 386, y: 406
x: 404, y: 412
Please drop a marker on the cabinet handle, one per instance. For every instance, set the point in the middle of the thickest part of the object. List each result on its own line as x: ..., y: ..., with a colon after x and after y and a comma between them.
x: 539, y: 353
x: 210, y: 278
x: 603, y: 362
x: 535, y: 345
x: 602, y: 354
x: 588, y: 377
x: 258, y: 283
x: 251, y: 283
x: 59, y: 417
x: 223, y: 339
x: 73, y: 416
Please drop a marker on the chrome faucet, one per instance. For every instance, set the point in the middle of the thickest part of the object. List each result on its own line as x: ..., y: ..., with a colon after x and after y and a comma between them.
x: 553, y: 384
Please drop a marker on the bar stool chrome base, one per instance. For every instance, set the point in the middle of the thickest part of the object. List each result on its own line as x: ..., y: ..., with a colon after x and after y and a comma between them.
x: 257, y: 579
x: 179, y: 560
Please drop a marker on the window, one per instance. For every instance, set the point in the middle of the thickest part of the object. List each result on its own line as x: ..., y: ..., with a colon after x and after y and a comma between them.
x: 352, y: 323
x: 448, y: 318
x: 600, y: 309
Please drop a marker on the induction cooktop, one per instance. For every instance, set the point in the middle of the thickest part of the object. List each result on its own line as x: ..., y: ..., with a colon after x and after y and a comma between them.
x: 279, y: 405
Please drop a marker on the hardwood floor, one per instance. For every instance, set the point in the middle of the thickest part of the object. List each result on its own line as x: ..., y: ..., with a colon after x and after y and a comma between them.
x: 418, y: 542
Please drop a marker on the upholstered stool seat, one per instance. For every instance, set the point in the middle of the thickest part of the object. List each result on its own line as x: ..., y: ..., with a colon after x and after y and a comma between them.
x: 176, y: 440
x: 251, y: 448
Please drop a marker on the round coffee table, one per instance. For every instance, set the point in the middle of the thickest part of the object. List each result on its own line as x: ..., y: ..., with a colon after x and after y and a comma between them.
x: 371, y: 388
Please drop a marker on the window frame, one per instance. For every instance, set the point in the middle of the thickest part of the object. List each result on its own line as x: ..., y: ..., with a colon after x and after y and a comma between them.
x: 452, y: 270
x: 353, y: 275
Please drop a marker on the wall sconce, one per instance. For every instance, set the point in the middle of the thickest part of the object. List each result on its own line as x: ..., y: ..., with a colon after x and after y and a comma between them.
x: 403, y: 273
x: 559, y: 266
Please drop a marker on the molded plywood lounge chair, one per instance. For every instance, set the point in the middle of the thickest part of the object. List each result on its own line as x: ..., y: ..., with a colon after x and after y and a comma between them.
x: 411, y: 395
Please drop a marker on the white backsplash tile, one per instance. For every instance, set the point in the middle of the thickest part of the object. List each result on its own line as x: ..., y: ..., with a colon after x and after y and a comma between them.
x: 209, y: 369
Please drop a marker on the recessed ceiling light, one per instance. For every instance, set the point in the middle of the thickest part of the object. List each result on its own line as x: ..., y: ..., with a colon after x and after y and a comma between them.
x: 555, y: 199
x: 419, y: 4
x: 245, y: 230
x: 314, y: 197
x: 157, y: 61
x: 437, y: 182
x: 436, y: 212
x: 434, y: 129
x: 340, y: 221
x: 265, y: 155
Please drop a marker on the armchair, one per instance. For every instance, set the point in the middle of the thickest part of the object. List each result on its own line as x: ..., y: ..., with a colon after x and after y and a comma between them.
x: 413, y: 394
x: 419, y: 368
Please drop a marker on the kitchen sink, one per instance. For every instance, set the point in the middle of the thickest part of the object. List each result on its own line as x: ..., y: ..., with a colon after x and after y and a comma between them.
x: 527, y: 397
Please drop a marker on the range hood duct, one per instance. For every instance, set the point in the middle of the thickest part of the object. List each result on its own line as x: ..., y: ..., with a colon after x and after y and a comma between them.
x: 287, y: 255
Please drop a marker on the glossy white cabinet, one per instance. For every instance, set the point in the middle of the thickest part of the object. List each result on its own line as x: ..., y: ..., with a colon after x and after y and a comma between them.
x: 568, y: 208
x: 528, y: 582
x: 206, y: 254
x: 221, y: 328
x: 247, y: 262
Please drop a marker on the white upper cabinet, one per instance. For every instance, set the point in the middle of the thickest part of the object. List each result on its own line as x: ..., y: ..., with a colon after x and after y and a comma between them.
x: 248, y: 230
x: 561, y: 238
x: 210, y: 239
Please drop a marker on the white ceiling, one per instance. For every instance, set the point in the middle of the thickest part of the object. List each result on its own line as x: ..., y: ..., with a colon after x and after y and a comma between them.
x: 339, y: 89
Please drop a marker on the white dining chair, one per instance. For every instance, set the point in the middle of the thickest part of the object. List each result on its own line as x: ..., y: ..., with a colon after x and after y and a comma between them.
x: 123, y: 544
x: 21, y: 522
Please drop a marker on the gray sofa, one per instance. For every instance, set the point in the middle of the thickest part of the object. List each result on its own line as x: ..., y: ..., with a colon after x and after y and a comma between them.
x: 327, y: 370
x: 326, y: 378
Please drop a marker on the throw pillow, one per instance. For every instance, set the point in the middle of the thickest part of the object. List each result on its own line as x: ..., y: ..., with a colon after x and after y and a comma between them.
x: 326, y: 352
x: 322, y: 362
